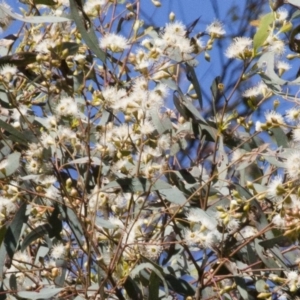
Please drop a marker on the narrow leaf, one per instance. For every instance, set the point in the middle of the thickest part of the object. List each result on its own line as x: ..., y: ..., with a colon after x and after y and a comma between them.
x: 179, y: 285
x: 263, y: 31
x: 154, y: 286
x: 280, y: 137
x: 132, y: 289
x: 15, y: 135
x: 242, y: 288
x: 13, y: 162
x: 45, y: 293
x: 173, y: 195
x: 161, y: 125
x: 35, y: 234
x: 33, y: 19
x: 13, y: 233
x: 139, y: 184
x: 222, y: 164
x: 71, y: 218
x: 194, y: 80
x: 88, y: 36
x: 144, y: 266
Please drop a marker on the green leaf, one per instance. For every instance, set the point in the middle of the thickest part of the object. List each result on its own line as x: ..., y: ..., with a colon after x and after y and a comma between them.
x: 60, y: 280
x: 222, y: 164
x: 268, y: 261
x: 105, y: 223
x: 186, y: 107
x: 144, y: 266
x: 84, y: 160
x: 72, y: 220
x: 132, y: 289
x: 280, y: 240
x: 119, y: 27
x: 33, y: 19
x: 79, y: 298
x: 154, y: 283
x: 3, y: 95
x: 19, y: 59
x: 294, y: 42
x: 35, y: 234
x: 215, y: 93
x: 52, y: 228
x: 242, y: 288
x: 13, y: 162
x: 173, y: 195
x: 213, y: 132
x: 3, y: 254
x: 2, y: 234
x: 105, y: 118
x: 45, y: 293
x: 208, y: 293
x: 280, y: 137
x: 252, y: 258
x: 162, y: 125
x: 296, y: 14
x: 45, y: 2
x: 70, y: 46
x: 269, y: 76
x: 78, y: 83
x: 14, y: 230
x: 15, y: 135
x: 192, y: 77
x: 263, y: 31
x: 261, y: 285
x: 88, y: 36
x: 181, y: 109
x: 179, y: 285
x: 41, y: 253
x: 140, y: 184
x: 274, y: 161
x: 13, y: 282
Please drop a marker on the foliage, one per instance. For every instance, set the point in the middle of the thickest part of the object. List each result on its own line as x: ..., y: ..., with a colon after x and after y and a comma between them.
x: 108, y: 192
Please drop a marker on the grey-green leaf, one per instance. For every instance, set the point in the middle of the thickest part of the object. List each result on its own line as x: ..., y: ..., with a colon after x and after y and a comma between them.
x: 45, y: 293
x: 173, y: 195
x: 33, y: 19
x: 154, y: 283
x: 88, y: 36
x: 13, y: 233
x: 71, y: 218
x: 15, y: 135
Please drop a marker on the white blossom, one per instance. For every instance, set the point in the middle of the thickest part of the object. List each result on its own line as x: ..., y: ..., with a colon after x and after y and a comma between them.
x: 281, y: 14
x: 276, y: 188
x: 215, y: 29
x: 58, y: 251
x: 296, y: 135
x: 114, y: 42
x: 279, y: 221
x: 239, y: 48
x: 44, y: 46
x: 276, y: 46
x: 283, y: 65
x: 66, y: 107
x: 293, y: 114
x: 92, y: 7
x: 153, y: 251
x: 8, y: 70
x: 275, y: 118
x: 293, y: 165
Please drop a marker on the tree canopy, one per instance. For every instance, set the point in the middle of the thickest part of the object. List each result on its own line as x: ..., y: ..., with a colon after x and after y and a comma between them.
x: 123, y: 177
